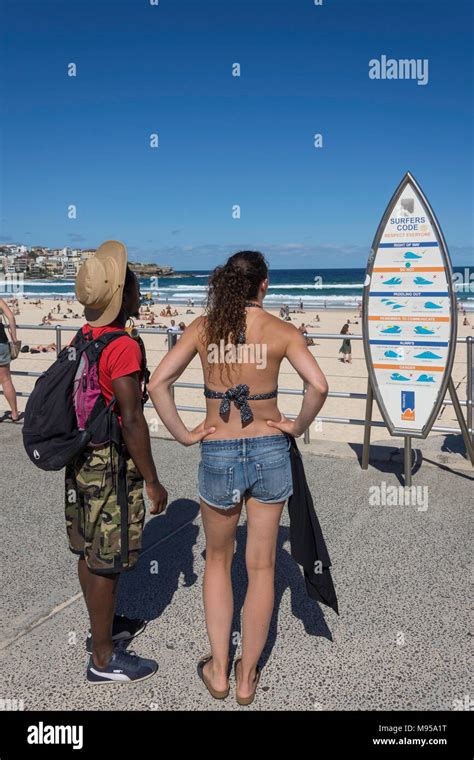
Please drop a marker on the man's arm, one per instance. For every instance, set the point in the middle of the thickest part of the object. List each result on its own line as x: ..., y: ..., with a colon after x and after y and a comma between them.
x: 137, y: 437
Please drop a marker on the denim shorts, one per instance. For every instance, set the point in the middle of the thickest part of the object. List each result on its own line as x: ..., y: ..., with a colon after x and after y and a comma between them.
x: 232, y: 469
x: 5, y: 357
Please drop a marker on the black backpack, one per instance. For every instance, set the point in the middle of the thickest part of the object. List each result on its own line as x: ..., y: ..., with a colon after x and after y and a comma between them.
x: 52, y: 436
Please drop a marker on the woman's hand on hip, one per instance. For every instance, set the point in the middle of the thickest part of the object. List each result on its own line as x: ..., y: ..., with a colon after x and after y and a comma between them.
x: 286, y: 426
x: 197, y: 434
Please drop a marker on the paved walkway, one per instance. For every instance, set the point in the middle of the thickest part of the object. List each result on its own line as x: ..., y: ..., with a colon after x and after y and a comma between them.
x: 401, y: 575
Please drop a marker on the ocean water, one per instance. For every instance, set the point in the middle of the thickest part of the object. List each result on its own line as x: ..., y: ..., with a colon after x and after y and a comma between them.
x: 319, y: 288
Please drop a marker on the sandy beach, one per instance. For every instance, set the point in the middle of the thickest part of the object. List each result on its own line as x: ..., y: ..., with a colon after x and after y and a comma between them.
x: 341, y: 377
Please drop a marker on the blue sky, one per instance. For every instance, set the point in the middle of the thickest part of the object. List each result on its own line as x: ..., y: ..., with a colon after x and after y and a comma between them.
x: 143, y: 69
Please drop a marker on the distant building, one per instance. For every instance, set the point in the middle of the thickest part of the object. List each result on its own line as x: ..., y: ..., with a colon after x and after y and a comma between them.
x: 21, y: 263
x: 16, y: 250
x: 70, y: 268
x: 36, y: 269
x: 53, y: 265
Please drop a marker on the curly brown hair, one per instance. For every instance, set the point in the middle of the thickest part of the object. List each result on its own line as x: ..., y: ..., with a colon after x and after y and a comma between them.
x: 230, y: 287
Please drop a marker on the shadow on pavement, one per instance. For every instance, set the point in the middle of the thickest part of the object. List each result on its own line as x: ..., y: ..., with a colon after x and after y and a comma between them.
x: 167, y: 563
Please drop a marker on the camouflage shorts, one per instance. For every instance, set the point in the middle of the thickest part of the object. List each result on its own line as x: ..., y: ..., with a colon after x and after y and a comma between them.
x: 98, y: 528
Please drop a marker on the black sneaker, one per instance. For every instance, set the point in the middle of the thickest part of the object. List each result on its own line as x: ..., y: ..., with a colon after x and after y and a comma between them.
x: 123, y: 629
x: 124, y: 667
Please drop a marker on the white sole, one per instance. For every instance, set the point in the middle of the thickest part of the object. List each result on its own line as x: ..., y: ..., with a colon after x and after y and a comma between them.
x: 113, y: 682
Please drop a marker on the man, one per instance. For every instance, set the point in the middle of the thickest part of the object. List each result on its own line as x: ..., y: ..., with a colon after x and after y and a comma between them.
x: 173, y: 333
x: 97, y: 532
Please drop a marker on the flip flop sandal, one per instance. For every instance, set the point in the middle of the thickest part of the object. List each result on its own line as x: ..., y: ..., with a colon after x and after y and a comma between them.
x: 246, y: 700
x: 200, y: 671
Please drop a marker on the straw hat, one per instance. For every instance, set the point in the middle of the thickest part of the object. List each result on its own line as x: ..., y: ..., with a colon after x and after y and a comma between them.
x: 100, y: 282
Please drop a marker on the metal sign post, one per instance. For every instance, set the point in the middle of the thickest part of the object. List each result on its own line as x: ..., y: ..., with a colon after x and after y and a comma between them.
x: 367, y: 428
x: 409, y: 321
x: 470, y: 386
x: 461, y: 420
x: 407, y: 460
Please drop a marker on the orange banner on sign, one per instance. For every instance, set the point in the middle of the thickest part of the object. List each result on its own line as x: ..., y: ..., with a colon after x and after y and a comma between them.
x: 411, y: 269
x: 399, y: 318
x: 416, y: 367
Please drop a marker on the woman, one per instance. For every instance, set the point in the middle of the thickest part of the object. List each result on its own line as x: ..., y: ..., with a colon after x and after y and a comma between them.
x: 345, y: 348
x: 245, y: 455
x: 5, y: 358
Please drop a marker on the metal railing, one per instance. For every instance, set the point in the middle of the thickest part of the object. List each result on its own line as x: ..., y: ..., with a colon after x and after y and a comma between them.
x: 468, y: 402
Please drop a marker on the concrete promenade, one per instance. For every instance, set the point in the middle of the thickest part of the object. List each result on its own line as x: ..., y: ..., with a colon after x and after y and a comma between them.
x: 401, y: 574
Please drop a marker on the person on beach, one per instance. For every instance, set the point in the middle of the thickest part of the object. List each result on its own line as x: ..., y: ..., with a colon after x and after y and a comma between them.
x: 345, y: 348
x: 40, y: 349
x: 95, y: 518
x: 5, y: 358
x: 173, y: 333
x: 304, y: 331
x: 245, y: 451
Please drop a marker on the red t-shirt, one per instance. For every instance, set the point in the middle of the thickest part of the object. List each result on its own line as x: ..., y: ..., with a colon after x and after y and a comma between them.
x: 121, y: 357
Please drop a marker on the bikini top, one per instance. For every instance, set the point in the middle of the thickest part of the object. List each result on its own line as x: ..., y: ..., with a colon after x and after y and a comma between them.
x: 239, y: 394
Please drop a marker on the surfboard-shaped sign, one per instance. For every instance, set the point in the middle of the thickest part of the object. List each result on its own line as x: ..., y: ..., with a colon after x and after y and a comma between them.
x: 409, y: 313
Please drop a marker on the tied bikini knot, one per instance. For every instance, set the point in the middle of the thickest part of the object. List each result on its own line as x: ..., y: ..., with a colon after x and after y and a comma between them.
x: 239, y: 395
